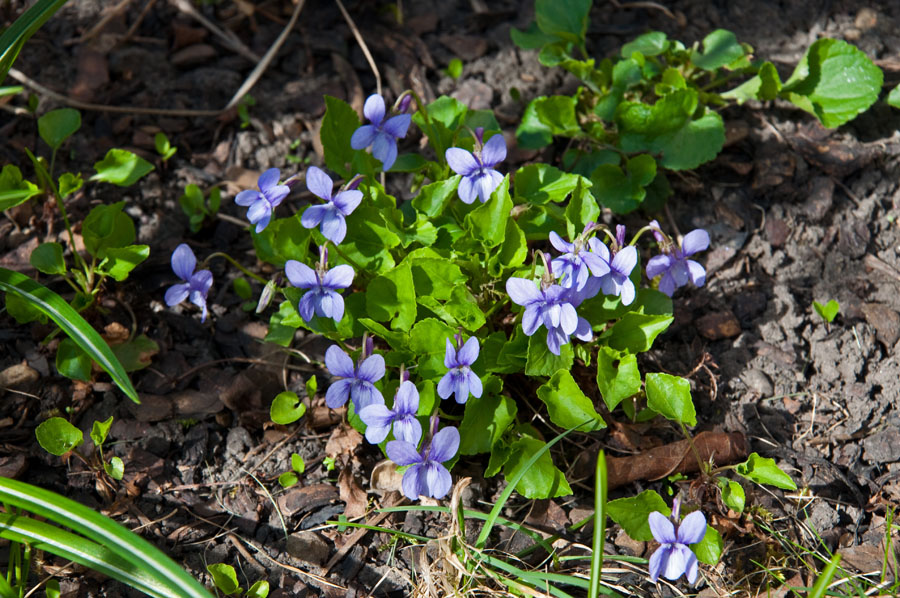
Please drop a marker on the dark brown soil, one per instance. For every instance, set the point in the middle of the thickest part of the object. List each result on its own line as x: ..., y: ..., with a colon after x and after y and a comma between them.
x: 796, y: 214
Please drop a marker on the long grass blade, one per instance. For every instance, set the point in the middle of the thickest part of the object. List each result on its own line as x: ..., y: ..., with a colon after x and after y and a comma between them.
x: 25, y: 26
x: 821, y: 586
x: 501, y: 502
x: 55, y: 308
x: 43, y: 536
x: 599, y: 524
x: 102, y: 530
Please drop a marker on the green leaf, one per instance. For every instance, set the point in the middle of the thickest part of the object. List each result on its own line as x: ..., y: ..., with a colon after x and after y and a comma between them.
x: 653, y: 43
x: 487, y: 222
x: 763, y: 470
x: 120, y: 261
x: 670, y: 396
x: 338, y: 125
x: 72, y: 362
x: 288, y: 479
x: 558, y: 114
x: 48, y: 258
x: 258, y: 590
x: 541, y: 479
x: 532, y: 132
x: 242, y: 288
x: 99, y: 431
x: 283, y: 324
x: 668, y: 128
x: 709, y: 549
x: 635, y: 332
x: 764, y: 86
x: 618, y: 376
x: 111, y: 549
x: 633, y: 513
x: 829, y: 311
x: 433, y: 198
x: 567, y: 404
x: 137, y: 353
x: 107, y: 226
x: 513, y: 251
x: 427, y: 340
x: 484, y: 422
x: 115, y: 468
x: 56, y: 126
x: 565, y: 19
x: 582, y: 209
x: 69, y: 183
x: 224, y: 577
x: 720, y: 48
x: 121, y: 167
x: 13, y: 189
x: 434, y: 274
x: 541, y: 183
x: 391, y: 297
x: 297, y: 463
x: 532, y: 38
x: 463, y: 308
x: 541, y: 362
x: 23, y: 311
x: 732, y: 495
x: 455, y: 68
x: 57, y: 436
x: 368, y: 240
x: 835, y: 81
x: 286, y: 408
x: 893, y: 98
x: 623, y: 191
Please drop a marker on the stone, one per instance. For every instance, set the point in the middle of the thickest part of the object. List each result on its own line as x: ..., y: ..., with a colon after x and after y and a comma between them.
x: 18, y: 375
x: 718, y: 325
x: 758, y: 382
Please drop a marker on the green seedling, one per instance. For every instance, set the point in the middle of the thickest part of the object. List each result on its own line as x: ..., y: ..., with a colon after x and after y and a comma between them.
x: 243, y: 110
x: 829, y: 311
x: 454, y: 68
x: 58, y: 436
x: 163, y: 147
x: 198, y: 209
x: 289, y: 478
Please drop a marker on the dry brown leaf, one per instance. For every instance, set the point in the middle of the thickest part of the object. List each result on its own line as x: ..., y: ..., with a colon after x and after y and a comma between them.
x: 343, y: 441
x: 352, y: 494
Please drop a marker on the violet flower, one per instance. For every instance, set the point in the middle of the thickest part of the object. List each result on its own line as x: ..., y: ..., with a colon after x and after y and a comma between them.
x: 357, y: 383
x: 331, y: 215
x: 479, y: 179
x: 673, y: 558
x: 196, y: 285
x: 673, y: 265
x: 460, y: 380
x: 548, y: 306
x: 426, y: 475
x: 576, y: 263
x: 616, y: 281
x: 378, y: 418
x: 263, y: 202
x: 382, y: 134
x: 321, y: 297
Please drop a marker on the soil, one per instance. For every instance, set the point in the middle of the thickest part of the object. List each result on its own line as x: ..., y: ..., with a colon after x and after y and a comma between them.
x: 796, y: 214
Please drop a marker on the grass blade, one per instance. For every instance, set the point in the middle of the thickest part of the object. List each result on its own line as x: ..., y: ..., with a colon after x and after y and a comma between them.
x: 55, y: 308
x: 102, y: 530
x: 25, y: 26
x: 599, y: 524
x: 821, y: 586
x: 43, y: 536
x: 495, y: 512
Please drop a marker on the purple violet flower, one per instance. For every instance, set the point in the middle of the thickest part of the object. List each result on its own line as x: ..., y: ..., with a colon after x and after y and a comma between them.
x: 576, y: 263
x: 357, y: 383
x: 426, y: 475
x: 321, y: 298
x: 460, y: 380
x: 263, y: 202
x: 551, y: 307
x: 479, y: 179
x: 196, y: 285
x: 378, y: 418
x: 673, y: 558
x: 382, y: 134
x: 673, y: 265
x: 616, y: 281
x: 331, y: 215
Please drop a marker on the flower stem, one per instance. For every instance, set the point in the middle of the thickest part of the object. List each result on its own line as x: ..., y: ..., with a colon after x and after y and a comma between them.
x: 235, y: 264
